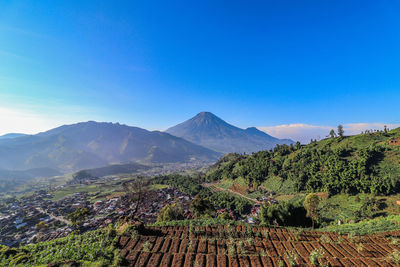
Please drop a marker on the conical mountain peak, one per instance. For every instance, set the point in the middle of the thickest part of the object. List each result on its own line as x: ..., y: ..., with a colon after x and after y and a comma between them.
x: 208, y: 130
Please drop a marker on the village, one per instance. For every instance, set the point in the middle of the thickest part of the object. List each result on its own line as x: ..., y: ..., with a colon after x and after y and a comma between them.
x: 37, y: 218
x: 40, y: 216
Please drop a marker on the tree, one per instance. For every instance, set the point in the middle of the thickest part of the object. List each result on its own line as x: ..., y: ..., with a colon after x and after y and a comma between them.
x: 41, y: 226
x: 202, y: 207
x: 298, y: 145
x: 289, y: 213
x: 136, y: 192
x: 78, y: 216
x: 332, y: 133
x: 340, y: 131
x: 385, y: 129
x: 311, y: 205
x: 368, y: 208
x: 170, y: 213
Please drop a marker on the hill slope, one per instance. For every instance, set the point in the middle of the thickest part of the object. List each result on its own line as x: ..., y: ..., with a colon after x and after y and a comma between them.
x: 361, y: 163
x: 92, y: 144
x: 208, y: 130
x: 216, y: 245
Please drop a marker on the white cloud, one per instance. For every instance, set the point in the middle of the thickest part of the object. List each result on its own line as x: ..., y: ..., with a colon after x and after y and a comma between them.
x: 305, y: 132
x: 356, y: 128
x: 31, y: 119
x: 24, y: 121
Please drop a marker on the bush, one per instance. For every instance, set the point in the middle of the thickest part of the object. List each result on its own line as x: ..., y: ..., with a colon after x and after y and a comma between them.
x: 290, y: 213
x: 170, y: 213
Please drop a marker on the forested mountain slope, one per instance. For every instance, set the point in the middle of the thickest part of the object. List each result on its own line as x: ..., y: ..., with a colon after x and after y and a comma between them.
x: 350, y: 164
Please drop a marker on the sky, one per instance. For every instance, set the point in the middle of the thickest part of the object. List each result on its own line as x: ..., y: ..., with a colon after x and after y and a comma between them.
x: 291, y: 68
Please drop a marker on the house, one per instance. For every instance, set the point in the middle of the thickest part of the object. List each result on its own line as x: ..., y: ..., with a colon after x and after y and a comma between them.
x: 394, y: 141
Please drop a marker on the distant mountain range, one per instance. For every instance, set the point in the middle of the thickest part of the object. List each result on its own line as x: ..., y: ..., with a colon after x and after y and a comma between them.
x: 11, y: 135
x: 91, y: 144
x: 208, y: 130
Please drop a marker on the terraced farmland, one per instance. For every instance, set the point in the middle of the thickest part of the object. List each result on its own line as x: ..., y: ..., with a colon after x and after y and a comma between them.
x: 255, y: 246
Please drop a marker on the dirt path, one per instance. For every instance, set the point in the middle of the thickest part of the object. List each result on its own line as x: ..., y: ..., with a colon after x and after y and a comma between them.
x: 231, y: 191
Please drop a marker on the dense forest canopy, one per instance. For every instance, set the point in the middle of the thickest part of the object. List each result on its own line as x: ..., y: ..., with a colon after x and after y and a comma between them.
x: 353, y: 164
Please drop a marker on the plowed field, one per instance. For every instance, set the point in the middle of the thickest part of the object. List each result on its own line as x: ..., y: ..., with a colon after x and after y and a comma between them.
x: 255, y: 246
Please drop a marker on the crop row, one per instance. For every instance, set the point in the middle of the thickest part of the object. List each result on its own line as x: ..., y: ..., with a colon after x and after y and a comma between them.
x: 264, y: 233
x: 253, y: 246
x: 209, y: 260
x: 249, y: 246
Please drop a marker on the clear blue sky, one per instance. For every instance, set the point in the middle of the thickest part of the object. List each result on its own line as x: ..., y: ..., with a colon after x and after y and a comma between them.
x: 156, y: 63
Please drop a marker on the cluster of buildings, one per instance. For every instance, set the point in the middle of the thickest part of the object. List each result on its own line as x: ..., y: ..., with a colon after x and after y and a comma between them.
x: 156, y: 200
x: 20, y: 220
x: 38, y: 218
x: 265, y: 200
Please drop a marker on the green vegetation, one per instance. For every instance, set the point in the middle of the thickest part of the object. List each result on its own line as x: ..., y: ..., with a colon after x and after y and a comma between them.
x: 231, y: 202
x: 170, y: 213
x: 78, y: 216
x: 315, y: 256
x: 290, y: 213
x: 354, y: 164
x: 311, y: 205
x: 202, y: 208
x: 94, y: 247
x: 198, y: 222
x: 380, y: 224
x: 191, y: 185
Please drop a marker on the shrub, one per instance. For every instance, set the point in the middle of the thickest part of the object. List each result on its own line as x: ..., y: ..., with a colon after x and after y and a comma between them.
x: 291, y: 256
x: 265, y: 233
x: 315, y: 256
x: 359, y: 247
x: 146, y: 246
x: 326, y: 239
x: 240, y: 246
x: 170, y: 213
x: 231, y: 249
x: 395, y: 257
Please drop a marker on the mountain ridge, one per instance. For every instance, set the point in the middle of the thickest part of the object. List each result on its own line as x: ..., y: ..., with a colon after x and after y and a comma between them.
x: 96, y: 144
x: 208, y: 130
x: 11, y: 135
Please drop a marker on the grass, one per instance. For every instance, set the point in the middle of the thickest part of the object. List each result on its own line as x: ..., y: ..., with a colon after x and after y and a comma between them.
x: 343, y: 206
x: 158, y: 186
x: 105, y: 189
x: 59, y: 194
x: 227, y: 184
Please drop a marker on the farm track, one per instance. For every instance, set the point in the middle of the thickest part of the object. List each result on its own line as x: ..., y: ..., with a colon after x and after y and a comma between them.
x: 211, y: 246
x: 217, y: 188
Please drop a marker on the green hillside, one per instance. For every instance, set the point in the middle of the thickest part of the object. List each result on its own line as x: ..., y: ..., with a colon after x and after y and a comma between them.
x: 351, y: 164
